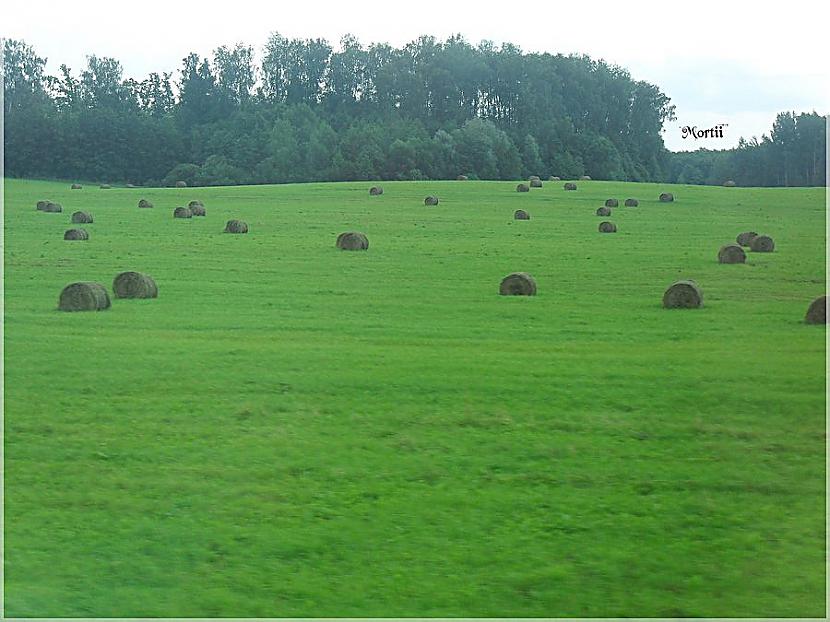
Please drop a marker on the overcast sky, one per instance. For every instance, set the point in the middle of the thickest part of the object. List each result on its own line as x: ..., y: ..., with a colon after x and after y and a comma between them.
x: 720, y: 62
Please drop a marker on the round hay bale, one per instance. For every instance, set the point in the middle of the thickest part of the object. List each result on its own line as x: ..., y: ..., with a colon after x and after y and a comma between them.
x: 520, y: 214
x: 76, y: 234
x: 431, y: 200
x: 554, y: 178
x: 105, y: 186
x: 535, y: 183
x: 585, y: 178
x: 611, y: 203
x: 75, y: 186
x: 731, y: 253
x: 746, y: 237
x: 522, y: 188
x: 181, y: 184
x: 683, y: 295
x: 375, y: 191
x: 134, y: 285
x: 41, y: 206
x: 817, y: 311
x: 762, y: 244
x: 729, y: 184
x: 182, y: 212
x: 193, y: 204
x: 631, y: 202
x: 144, y: 203
x: 131, y: 186
x: 607, y: 227
x: 570, y: 185
x: 517, y: 284
x: 81, y: 218
x: 462, y: 178
x: 352, y: 241
x: 532, y: 177
x: 198, y: 210
x: 603, y: 211
x: 666, y: 197
x: 53, y: 208
x: 236, y: 226
x: 84, y: 296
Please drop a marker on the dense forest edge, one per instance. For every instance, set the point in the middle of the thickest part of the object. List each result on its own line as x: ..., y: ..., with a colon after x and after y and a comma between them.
x: 428, y: 110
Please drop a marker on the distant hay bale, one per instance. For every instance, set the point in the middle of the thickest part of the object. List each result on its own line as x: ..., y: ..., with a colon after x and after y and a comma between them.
x: 607, y: 227
x: 762, y: 244
x: 570, y: 185
x: 603, y: 211
x: 431, y: 200
x: 181, y: 184
x: 182, y: 212
x: 84, y: 296
x: 76, y: 186
x: 517, y: 284
x: 198, y: 210
x: 53, y: 208
x: 375, y: 191
x: 683, y: 295
x: 134, y: 285
x: 520, y: 214
x: 144, y: 203
x: 746, y: 237
x: 131, y: 186
x: 352, y: 241
x: 193, y: 204
x: 462, y: 178
x: 611, y: 202
x: 817, y: 312
x: 631, y: 202
x: 105, y: 186
x: 532, y: 177
x: 41, y: 205
x: 666, y: 197
x: 731, y: 253
x: 76, y: 234
x: 81, y: 218
x: 554, y: 178
x: 236, y: 226
x: 729, y: 183
x: 535, y: 183
x: 585, y: 178
x: 522, y: 188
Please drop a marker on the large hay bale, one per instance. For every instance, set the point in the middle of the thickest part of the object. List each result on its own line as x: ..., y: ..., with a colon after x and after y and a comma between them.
x: 520, y: 214
x: 144, y: 203
x: 532, y: 177
x: 431, y: 200
x: 731, y: 253
x: 631, y: 202
x: 585, y: 178
x: 182, y: 212
x: 517, y: 284
x: 198, y: 210
x: 194, y: 203
x: 535, y: 183
x: 607, y: 227
x: 817, y: 312
x: 84, y: 296
x: 81, y: 218
x: 53, y: 208
x: 352, y: 241
x: 76, y: 234
x: 375, y: 191
x: 105, y: 186
x: 729, y: 183
x: 75, y: 186
x: 762, y: 244
x: 570, y: 185
x: 603, y: 211
x: 134, y: 285
x: 683, y: 295
x: 181, y: 184
x: 522, y: 188
x: 554, y: 178
x: 611, y: 203
x: 462, y: 178
x: 746, y: 237
x: 41, y: 206
x: 236, y: 226
x: 666, y: 197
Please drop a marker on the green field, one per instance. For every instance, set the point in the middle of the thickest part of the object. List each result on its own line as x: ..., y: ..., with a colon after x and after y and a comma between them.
x: 293, y: 430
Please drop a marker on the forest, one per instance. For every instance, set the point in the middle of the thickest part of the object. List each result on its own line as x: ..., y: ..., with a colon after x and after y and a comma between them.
x: 428, y: 110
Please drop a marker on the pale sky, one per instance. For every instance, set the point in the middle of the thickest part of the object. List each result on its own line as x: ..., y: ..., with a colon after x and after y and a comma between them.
x: 738, y: 63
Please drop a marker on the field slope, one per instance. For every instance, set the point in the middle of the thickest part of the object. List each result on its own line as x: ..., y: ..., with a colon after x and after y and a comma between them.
x: 291, y: 430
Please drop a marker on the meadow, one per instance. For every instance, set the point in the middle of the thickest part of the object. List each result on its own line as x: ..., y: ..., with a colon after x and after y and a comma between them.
x: 294, y: 430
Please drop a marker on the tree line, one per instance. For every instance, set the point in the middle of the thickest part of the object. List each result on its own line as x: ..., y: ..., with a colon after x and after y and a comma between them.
x: 307, y: 112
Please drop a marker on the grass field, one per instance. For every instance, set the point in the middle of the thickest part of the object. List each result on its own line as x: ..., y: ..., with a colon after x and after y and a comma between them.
x: 293, y: 430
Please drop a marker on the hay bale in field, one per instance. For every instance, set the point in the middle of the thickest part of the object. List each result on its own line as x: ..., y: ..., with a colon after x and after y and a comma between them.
x: 198, y: 210
x: 84, y: 296
x: 666, y: 197
x: 585, y: 178
x: 729, y: 183
x: 603, y: 211
x: 607, y: 227
x: 535, y: 183
x: 182, y: 212
x: 570, y: 185
x: 522, y: 188
x: 517, y: 284
x: 181, y: 184
x: 431, y: 200
x: 611, y: 203
x: 236, y: 226
x: 41, y: 206
x: 375, y: 191
x: 81, y: 218
x: 731, y: 253
x: 532, y: 177
x: 683, y: 295
x: 105, y: 186
x: 53, y: 208
x: 131, y: 186
x: 745, y: 238
x: 134, y: 285
x: 631, y: 202
x: 462, y: 178
x: 762, y: 244
x: 817, y: 312
x: 520, y: 214
x: 554, y: 178
x: 75, y: 187
x: 76, y: 234
x: 352, y: 241
x: 144, y: 203
x: 193, y: 204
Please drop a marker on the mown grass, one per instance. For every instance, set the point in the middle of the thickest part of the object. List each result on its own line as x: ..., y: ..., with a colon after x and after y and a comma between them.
x: 291, y: 430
